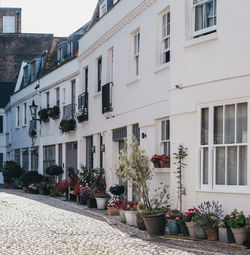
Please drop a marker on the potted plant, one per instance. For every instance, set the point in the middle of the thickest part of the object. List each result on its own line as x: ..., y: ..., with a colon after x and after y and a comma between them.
x: 101, y: 200
x: 165, y: 161
x: 199, y: 230
x: 225, y: 232
x: 189, y: 223
x: 31, y: 177
x: 54, y: 112
x: 44, y: 189
x: 172, y: 217
x: 247, y: 227
x: 113, y: 207
x: 156, y: 161
x: 82, y: 115
x: 180, y: 219
x: 129, y: 209
x: 139, y: 219
x: 43, y: 115
x: 134, y: 166
x: 237, y: 222
x: 54, y: 170
x: 11, y: 172
x: 33, y: 189
x: 67, y: 125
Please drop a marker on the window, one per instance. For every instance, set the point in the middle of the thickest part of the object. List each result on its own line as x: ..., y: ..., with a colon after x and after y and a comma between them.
x: 103, y: 7
x: 34, y: 156
x: 60, y: 54
x: 165, y: 137
x: 8, y: 24
x: 17, y: 156
x: 89, y: 152
x: 204, y: 16
x: 25, y: 159
x: 73, y: 97
x: 17, y: 117
x: 110, y: 64
x: 86, y: 78
x: 49, y: 157
x: 26, y: 75
x: 47, y: 99
x: 99, y: 74
x: 33, y: 71
x: 70, y: 49
x: 1, y: 124
x: 136, y: 52
x: 228, y: 145
x: 24, y: 114
x: 165, y: 42
x: 58, y: 97
x: 1, y: 160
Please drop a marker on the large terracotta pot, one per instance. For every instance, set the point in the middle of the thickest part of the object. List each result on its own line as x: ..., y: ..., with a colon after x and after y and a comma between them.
x: 113, y: 211
x: 191, y: 229
x: 155, y: 224
x: 174, y: 228
x: 226, y: 235
x: 122, y: 216
x: 200, y: 232
x: 240, y: 235
x: 101, y: 203
x: 130, y: 218
x: 140, y: 222
x: 212, y: 233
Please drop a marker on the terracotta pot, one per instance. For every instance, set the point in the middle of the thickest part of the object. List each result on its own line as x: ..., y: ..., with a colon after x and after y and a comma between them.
x: 191, y: 229
x: 240, y: 235
x: 122, y: 216
x: 212, y: 233
x: 130, y: 218
x: 140, y: 222
x: 226, y: 235
x: 200, y: 232
x: 165, y: 164
x: 174, y: 228
x: 155, y: 224
x: 157, y: 165
x: 113, y: 211
x: 101, y: 203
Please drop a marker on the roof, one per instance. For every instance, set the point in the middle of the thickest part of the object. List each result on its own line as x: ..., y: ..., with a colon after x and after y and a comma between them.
x: 7, y: 89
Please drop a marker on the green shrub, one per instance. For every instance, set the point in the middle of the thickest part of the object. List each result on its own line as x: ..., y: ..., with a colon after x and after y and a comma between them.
x: 31, y: 177
x: 11, y: 171
x: 54, y: 170
x: 54, y: 190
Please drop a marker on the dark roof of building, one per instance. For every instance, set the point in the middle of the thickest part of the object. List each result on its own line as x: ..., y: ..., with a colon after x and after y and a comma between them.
x: 15, y: 48
x: 6, y: 90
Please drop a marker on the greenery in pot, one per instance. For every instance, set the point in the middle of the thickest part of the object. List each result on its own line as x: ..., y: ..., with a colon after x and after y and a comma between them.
x: 236, y: 219
x: 31, y: 177
x: 101, y: 195
x: 190, y: 213
x: 173, y: 214
x: 209, y: 220
x: 54, y: 190
x: 11, y: 171
x: 67, y: 125
x: 54, y: 112
x: 43, y: 114
x: 54, y: 170
x: 247, y: 225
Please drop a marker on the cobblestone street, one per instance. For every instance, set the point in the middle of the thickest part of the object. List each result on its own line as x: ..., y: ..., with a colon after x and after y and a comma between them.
x: 55, y: 227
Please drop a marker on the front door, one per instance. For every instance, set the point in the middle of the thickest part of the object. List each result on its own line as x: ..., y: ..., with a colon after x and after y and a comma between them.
x: 71, y: 156
x: 121, y: 182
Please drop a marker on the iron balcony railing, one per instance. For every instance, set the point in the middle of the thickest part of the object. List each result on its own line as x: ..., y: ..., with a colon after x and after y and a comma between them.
x: 83, y: 110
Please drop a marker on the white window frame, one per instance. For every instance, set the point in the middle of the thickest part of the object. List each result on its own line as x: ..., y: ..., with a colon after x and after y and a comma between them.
x: 24, y: 114
x: 165, y: 36
x: 18, y: 117
x: 136, y: 52
x: 207, y: 29
x: 163, y: 141
x: 212, y: 186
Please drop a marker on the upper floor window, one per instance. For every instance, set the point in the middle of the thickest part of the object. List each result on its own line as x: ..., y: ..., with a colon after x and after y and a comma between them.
x: 165, y: 54
x: 70, y: 49
x: 73, y: 97
x: 1, y: 124
x: 8, y: 24
x: 26, y: 74
x: 60, y: 54
x: 110, y: 65
x: 136, y: 52
x: 33, y: 71
x: 17, y: 117
x: 204, y: 16
x: 103, y: 8
x: 86, y: 78
x: 24, y: 114
x: 99, y: 74
x: 47, y: 100
x: 58, y: 97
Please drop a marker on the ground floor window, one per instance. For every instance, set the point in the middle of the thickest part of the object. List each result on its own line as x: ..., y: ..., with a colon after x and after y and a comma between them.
x: 224, y: 145
x: 49, y: 157
x: 89, y: 152
x: 1, y: 160
x: 25, y: 159
x: 17, y: 156
x: 34, y: 159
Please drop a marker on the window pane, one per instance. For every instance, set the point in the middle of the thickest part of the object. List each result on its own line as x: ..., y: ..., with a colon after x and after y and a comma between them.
x: 218, y: 125
x: 168, y: 24
x: 220, y: 166
x: 232, y: 165
x: 164, y: 25
x: 209, y: 19
x: 205, y: 165
x: 167, y: 129
x: 199, y: 18
x: 243, y: 165
x: 242, y: 123
x: 204, y: 126
x: 230, y: 124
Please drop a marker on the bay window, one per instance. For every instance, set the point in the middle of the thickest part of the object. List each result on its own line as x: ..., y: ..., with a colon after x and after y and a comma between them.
x: 223, y: 146
x: 204, y: 16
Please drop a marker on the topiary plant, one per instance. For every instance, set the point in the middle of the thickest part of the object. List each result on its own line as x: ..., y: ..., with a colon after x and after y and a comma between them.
x: 54, y: 170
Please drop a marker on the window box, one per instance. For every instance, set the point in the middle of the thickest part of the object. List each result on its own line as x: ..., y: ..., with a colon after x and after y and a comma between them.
x: 67, y: 125
x: 54, y: 112
x: 43, y: 114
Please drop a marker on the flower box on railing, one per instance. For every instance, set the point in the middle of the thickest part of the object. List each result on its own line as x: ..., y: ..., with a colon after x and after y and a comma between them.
x: 67, y: 125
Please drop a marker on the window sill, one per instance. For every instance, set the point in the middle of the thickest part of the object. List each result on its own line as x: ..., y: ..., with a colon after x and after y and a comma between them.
x: 97, y: 94
x: 244, y: 191
x: 162, y: 67
x: 161, y: 170
x: 200, y: 40
x: 24, y: 126
x: 133, y: 81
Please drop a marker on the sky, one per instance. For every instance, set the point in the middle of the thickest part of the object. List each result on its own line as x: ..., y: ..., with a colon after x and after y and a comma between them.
x: 59, y: 17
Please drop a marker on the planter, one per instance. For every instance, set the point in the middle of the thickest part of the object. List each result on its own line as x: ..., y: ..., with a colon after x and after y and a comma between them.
x: 248, y: 240
x: 226, y: 235
x: 200, y: 232
x: 140, y: 222
x: 101, y: 203
x: 240, y: 235
x: 113, y: 211
x: 130, y: 217
x: 122, y: 216
x: 191, y: 229
x: 184, y: 229
x: 212, y: 233
x: 165, y: 164
x: 174, y: 228
x: 157, y: 165
x: 91, y: 203
x: 155, y: 224
x: 25, y: 189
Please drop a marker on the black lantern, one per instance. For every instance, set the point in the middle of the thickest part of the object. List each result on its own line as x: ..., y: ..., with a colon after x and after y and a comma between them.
x: 33, y: 109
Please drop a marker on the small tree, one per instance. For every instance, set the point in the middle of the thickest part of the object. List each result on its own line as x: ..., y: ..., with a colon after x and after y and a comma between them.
x: 11, y: 171
x: 134, y: 166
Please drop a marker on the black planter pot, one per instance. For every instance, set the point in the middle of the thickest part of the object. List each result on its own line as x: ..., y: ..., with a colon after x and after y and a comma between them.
x: 248, y: 240
x: 91, y: 203
x: 184, y: 229
x: 140, y: 222
x: 226, y: 235
x: 83, y: 201
x: 155, y: 224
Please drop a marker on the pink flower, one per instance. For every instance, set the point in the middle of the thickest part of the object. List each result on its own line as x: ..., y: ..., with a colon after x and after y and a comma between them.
x: 177, y: 218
